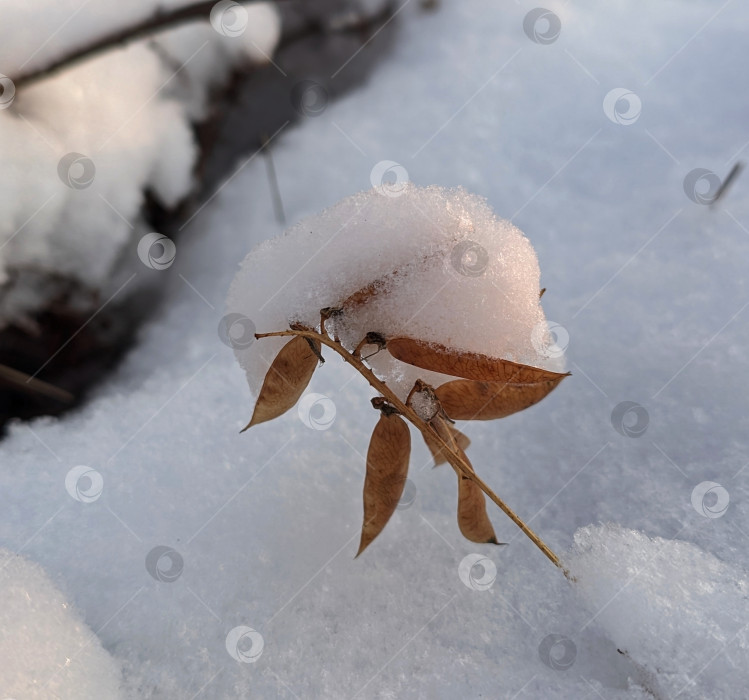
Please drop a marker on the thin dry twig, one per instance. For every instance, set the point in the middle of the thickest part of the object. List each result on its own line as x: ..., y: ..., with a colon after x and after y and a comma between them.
x: 164, y: 20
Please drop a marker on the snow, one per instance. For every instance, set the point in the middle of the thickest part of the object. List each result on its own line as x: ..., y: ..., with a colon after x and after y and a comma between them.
x: 80, y: 149
x: 675, y: 608
x: 460, y: 277
x: 46, y: 648
x: 39, y: 32
x: 648, y: 292
x: 424, y: 403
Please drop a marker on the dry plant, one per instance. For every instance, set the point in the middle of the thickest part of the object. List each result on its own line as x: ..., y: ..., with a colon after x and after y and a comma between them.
x: 485, y: 388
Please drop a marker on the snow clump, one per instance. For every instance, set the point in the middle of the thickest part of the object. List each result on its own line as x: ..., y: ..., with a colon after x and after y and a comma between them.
x: 442, y: 266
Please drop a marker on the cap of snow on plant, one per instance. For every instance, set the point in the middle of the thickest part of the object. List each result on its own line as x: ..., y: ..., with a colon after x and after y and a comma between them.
x: 432, y: 298
x: 434, y: 264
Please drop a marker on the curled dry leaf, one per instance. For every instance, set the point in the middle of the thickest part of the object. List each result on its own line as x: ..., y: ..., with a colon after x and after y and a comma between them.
x: 387, y: 468
x: 436, y: 449
x: 465, y: 399
x: 469, y: 365
x: 363, y: 295
x: 473, y: 521
x: 381, y: 284
x: 286, y: 380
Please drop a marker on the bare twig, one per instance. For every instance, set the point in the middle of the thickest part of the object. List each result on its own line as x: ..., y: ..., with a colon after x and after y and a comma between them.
x: 163, y: 19
x: 732, y: 175
x: 169, y: 19
x: 23, y: 382
x: 275, y: 191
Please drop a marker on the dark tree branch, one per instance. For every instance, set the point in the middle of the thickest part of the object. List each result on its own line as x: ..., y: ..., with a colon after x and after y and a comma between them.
x: 164, y: 20
x: 145, y: 28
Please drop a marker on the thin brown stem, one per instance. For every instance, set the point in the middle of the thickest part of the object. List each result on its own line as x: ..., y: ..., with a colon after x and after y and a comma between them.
x: 455, y: 459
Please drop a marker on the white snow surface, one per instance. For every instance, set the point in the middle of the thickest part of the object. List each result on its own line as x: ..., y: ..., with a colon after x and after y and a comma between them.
x: 673, y: 607
x: 46, y: 648
x: 447, y: 271
x: 258, y: 531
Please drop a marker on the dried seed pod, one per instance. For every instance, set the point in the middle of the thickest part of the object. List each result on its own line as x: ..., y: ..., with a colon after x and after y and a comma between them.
x: 473, y: 521
x: 286, y: 379
x: 436, y: 449
x: 387, y: 468
x: 469, y: 365
x: 466, y: 399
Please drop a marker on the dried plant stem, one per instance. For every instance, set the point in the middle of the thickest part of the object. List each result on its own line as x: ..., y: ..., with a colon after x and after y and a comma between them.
x: 455, y: 459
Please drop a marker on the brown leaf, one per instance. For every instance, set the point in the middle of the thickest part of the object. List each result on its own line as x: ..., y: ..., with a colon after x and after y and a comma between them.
x: 473, y: 521
x: 363, y: 295
x: 465, y: 399
x: 387, y: 467
x: 469, y: 365
x: 434, y: 447
x: 286, y: 380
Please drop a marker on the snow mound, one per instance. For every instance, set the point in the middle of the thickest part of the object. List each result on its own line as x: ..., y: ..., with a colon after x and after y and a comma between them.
x: 46, y: 649
x: 80, y: 149
x: 675, y: 610
x: 443, y: 267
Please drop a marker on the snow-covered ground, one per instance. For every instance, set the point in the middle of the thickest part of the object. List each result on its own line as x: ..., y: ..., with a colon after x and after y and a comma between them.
x: 81, y: 148
x: 217, y: 565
